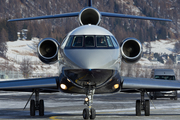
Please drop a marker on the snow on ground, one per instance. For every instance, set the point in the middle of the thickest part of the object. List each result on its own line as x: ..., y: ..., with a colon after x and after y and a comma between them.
x: 161, y: 46
x: 19, y: 50
x: 145, y: 62
x: 25, y: 49
x: 158, y: 46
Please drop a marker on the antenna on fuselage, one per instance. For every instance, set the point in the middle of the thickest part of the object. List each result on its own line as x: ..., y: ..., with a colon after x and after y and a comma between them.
x: 90, y: 3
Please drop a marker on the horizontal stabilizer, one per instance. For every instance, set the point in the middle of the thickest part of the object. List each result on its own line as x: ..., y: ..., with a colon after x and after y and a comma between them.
x: 106, y: 14
x: 74, y: 14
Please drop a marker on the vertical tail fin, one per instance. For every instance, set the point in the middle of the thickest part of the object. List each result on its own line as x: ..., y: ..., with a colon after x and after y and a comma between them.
x: 90, y: 3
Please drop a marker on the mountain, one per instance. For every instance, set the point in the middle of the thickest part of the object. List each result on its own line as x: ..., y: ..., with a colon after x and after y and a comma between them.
x: 144, y: 30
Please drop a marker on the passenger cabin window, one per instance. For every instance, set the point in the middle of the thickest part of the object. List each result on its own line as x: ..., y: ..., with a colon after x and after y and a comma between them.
x: 91, y: 42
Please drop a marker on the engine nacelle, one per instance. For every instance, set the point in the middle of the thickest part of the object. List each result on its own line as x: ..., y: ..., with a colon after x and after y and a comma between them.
x: 89, y: 15
x: 131, y: 50
x: 48, y: 50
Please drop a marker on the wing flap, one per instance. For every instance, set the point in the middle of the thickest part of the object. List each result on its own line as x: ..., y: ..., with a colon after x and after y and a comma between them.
x: 149, y: 84
x: 28, y: 85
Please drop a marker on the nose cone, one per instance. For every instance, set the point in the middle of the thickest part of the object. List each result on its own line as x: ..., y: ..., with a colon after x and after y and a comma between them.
x: 92, y: 58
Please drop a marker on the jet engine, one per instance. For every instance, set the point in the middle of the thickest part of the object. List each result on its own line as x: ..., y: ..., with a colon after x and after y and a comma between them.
x: 48, y: 50
x: 131, y: 50
x: 89, y: 15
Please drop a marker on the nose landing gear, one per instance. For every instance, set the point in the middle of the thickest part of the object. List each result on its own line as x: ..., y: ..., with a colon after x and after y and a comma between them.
x: 89, y: 112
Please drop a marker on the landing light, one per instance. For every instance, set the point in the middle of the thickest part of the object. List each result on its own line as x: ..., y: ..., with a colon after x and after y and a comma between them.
x: 116, y: 86
x: 68, y: 80
x: 63, y: 86
x: 86, y: 99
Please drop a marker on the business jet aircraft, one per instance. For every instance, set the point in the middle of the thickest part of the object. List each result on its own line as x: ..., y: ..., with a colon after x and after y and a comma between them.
x: 89, y: 63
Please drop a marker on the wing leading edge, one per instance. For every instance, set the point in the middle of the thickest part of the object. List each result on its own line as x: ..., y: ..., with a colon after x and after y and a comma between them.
x: 28, y: 85
x: 149, y: 84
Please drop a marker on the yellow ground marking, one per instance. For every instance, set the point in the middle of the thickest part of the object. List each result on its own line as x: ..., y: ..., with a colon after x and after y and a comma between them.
x: 54, y: 118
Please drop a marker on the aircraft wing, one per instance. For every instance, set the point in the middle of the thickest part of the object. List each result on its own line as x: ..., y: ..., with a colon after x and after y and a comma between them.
x: 28, y: 85
x: 136, y: 84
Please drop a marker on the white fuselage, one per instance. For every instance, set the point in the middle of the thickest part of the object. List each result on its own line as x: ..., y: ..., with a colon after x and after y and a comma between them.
x: 90, y: 57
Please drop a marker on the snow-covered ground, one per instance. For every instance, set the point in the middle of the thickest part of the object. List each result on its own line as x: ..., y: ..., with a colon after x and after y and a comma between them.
x: 18, y: 50
x: 25, y: 49
x: 161, y: 46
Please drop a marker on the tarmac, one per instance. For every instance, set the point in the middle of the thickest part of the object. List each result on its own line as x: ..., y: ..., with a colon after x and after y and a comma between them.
x: 59, y: 106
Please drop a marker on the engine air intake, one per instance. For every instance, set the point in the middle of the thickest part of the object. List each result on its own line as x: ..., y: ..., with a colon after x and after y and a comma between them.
x: 48, y: 50
x: 131, y: 50
x: 89, y: 16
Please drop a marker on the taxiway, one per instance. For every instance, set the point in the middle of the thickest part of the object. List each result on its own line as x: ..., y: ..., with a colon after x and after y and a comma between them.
x: 59, y: 106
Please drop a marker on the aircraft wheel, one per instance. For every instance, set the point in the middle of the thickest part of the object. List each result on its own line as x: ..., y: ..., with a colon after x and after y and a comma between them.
x: 41, y: 108
x: 32, y: 108
x: 138, y: 108
x: 147, y: 108
x: 93, y: 113
x: 86, y: 113
x: 175, y: 98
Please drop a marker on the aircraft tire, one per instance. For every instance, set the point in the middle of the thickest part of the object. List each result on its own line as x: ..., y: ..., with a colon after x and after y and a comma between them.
x: 138, y: 108
x: 147, y: 108
x: 41, y: 108
x: 32, y: 108
x: 86, y: 113
x: 175, y: 98
x: 93, y: 113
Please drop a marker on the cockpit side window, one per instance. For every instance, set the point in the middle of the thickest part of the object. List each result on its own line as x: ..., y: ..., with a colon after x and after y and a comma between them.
x: 77, y: 41
x: 89, y: 41
x: 114, y: 42
x: 68, y: 44
x: 110, y: 44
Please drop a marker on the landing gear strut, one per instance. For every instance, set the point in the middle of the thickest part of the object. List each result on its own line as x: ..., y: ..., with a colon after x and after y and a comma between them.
x: 142, y: 105
x: 89, y: 112
x: 37, y: 105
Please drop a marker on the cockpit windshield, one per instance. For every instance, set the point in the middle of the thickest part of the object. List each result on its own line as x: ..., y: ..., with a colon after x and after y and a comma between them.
x: 77, y: 41
x: 91, y: 41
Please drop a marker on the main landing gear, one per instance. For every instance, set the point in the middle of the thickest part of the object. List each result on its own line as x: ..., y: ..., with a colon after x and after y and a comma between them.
x: 89, y: 112
x: 142, y: 105
x: 36, y: 104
